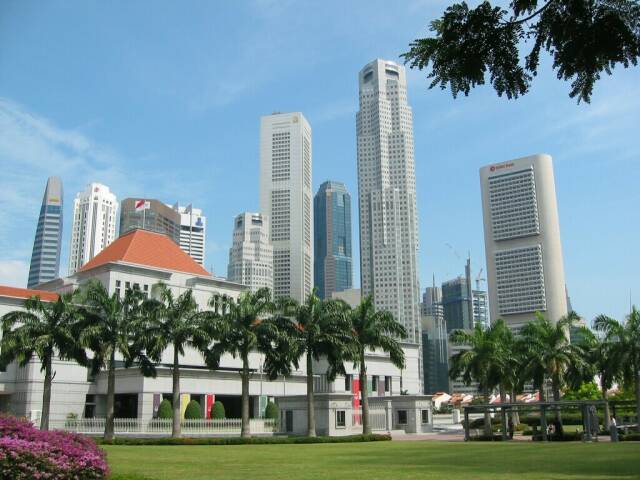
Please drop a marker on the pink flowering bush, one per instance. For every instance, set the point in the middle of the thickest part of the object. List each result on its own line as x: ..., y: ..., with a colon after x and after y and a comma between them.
x: 27, y: 453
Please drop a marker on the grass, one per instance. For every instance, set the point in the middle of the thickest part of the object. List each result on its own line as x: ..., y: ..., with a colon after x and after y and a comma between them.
x: 378, y: 461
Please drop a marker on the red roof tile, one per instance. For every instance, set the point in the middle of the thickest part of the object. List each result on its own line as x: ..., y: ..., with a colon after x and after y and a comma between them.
x: 27, y: 293
x: 149, y: 249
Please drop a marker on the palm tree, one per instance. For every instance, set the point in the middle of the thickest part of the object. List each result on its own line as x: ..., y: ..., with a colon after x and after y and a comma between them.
x: 370, y: 330
x: 317, y: 330
x: 603, y: 361
x: 112, y: 326
x: 241, y: 329
x: 482, y: 361
x: 624, y: 348
x: 172, y: 322
x: 550, y: 355
x: 43, y: 329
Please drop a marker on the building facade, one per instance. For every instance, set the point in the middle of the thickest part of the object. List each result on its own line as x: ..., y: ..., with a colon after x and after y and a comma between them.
x: 193, y: 232
x: 333, y: 269
x: 251, y: 253
x: 387, y: 194
x: 457, y: 304
x: 435, y: 352
x: 45, y: 257
x: 93, y: 224
x: 140, y: 260
x: 286, y: 199
x: 151, y: 215
x: 525, y: 270
x: 480, y: 309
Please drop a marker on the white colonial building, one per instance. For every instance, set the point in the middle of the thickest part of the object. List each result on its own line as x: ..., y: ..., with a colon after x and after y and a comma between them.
x: 139, y: 260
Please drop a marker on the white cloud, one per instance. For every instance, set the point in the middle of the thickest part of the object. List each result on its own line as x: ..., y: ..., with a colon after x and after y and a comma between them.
x: 33, y: 147
x: 14, y: 273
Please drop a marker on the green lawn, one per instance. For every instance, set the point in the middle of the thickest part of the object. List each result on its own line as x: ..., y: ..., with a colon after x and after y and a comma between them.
x: 378, y: 460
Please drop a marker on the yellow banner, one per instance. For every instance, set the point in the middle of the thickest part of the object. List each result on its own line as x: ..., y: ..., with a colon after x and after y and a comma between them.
x: 184, y: 401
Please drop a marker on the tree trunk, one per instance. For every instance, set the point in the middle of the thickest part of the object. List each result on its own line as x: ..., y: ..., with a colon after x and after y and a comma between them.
x: 245, y: 431
x: 607, y: 419
x: 555, y: 386
x: 366, y: 428
x: 46, y: 395
x: 503, y: 400
x: 177, y: 414
x: 111, y: 387
x: 311, y: 413
x: 487, y: 416
x: 515, y: 417
x: 637, y: 382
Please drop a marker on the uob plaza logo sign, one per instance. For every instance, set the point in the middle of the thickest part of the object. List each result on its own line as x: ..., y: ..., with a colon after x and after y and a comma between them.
x: 501, y: 166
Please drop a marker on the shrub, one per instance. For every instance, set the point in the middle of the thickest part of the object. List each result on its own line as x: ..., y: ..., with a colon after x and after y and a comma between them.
x: 271, y: 411
x: 192, y: 411
x: 573, y: 418
x: 27, y: 453
x: 479, y: 422
x: 243, y: 440
x: 217, y: 411
x: 165, y: 409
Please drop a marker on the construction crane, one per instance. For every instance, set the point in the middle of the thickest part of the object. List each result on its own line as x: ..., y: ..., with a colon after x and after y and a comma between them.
x: 479, y: 279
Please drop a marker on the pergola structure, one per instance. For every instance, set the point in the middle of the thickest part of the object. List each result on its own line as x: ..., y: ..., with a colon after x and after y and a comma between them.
x: 586, y: 407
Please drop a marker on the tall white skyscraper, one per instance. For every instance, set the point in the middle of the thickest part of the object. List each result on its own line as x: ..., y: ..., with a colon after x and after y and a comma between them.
x: 251, y: 255
x: 193, y: 231
x: 387, y: 194
x: 287, y: 201
x: 522, y: 240
x: 93, y: 224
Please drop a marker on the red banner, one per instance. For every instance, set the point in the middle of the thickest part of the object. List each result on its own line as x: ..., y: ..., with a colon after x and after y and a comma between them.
x: 210, y: 401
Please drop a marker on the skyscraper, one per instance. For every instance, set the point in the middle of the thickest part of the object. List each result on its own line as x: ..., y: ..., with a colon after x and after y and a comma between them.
x: 387, y: 194
x: 435, y: 359
x: 332, y: 239
x: 45, y: 258
x: 93, y: 224
x: 152, y: 215
x: 522, y: 240
x: 193, y: 231
x: 251, y: 254
x: 286, y: 199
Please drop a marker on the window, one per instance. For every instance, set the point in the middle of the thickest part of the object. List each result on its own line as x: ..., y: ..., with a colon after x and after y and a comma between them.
x: 341, y: 419
x: 402, y: 417
x: 118, y: 283
x: 387, y: 384
x: 288, y: 419
x: 374, y: 383
x: 347, y: 382
x: 425, y: 416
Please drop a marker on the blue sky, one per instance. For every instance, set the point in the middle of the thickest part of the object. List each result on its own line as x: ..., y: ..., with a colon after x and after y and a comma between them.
x: 162, y: 99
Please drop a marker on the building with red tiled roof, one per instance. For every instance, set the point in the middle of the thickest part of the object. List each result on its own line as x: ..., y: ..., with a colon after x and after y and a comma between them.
x: 140, y: 260
x: 151, y: 249
x: 24, y: 293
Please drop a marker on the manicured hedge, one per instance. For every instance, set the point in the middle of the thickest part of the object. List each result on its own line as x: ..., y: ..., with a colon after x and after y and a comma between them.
x: 165, y: 410
x: 271, y: 411
x: 192, y: 412
x: 217, y: 411
x: 567, y: 419
x: 244, y: 441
